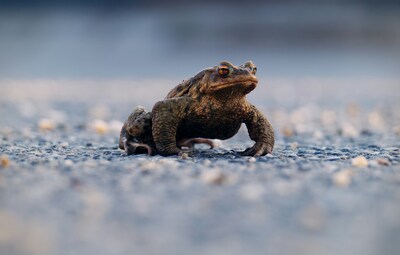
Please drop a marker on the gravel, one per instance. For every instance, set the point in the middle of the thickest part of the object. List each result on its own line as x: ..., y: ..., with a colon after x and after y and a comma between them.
x: 332, y: 185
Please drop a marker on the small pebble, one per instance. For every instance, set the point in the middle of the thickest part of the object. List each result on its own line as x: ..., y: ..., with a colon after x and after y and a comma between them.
x: 382, y: 161
x: 359, y: 161
x: 348, y: 130
x: 169, y: 163
x: 68, y: 162
x: 4, y: 161
x: 184, y: 155
x: 100, y: 126
x: 342, y: 178
x: 328, y: 117
x: 353, y: 110
x: 318, y: 135
x: 375, y: 120
x: 91, y: 163
x: 294, y: 145
x: 217, y: 143
x: 148, y: 166
x: 207, y: 162
x: 46, y: 125
x: 213, y: 177
x: 287, y: 131
x: 64, y: 145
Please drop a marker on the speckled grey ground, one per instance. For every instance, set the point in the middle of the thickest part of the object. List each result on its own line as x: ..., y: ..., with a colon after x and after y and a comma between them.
x: 65, y: 187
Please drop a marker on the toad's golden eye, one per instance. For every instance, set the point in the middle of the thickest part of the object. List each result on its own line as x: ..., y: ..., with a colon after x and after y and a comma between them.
x: 223, y: 71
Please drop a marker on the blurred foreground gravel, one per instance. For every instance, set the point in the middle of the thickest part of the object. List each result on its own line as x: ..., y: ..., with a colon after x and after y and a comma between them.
x: 332, y: 185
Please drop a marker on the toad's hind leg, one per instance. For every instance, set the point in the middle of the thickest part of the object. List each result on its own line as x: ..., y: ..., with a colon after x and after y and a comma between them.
x: 189, y: 143
x: 137, y: 148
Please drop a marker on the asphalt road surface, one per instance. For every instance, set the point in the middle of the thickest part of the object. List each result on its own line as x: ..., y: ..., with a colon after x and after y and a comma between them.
x: 331, y: 186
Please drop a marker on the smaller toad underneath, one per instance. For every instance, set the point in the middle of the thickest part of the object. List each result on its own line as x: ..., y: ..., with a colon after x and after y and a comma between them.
x: 211, y: 105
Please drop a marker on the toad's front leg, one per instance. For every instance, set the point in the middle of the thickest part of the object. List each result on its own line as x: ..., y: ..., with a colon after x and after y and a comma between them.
x: 167, y: 115
x: 260, y: 131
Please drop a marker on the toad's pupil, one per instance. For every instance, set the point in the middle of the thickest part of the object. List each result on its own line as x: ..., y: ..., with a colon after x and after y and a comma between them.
x: 223, y: 71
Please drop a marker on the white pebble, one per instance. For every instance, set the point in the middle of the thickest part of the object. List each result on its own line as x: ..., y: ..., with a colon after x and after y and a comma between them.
x: 168, y: 163
x: 359, y: 161
x: 328, y: 117
x: 91, y: 163
x: 184, y: 155
x: 217, y: 143
x: 342, y: 178
x: 349, y: 130
x: 100, y: 126
x: 294, y: 145
x: 375, y: 120
x: 68, y: 162
x: 318, y: 135
x: 149, y: 166
x: 287, y: 131
x: 214, y: 176
x: 207, y: 162
x: 46, y: 124
x: 64, y: 145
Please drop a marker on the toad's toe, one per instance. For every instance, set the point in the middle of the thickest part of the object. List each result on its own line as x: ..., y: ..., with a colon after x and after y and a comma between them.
x: 138, y: 148
x: 257, y: 150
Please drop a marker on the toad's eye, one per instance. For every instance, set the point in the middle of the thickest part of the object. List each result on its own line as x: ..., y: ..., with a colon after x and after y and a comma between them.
x: 254, y: 70
x: 223, y: 71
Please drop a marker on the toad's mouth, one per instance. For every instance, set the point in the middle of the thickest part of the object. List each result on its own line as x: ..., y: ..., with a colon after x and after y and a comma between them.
x: 240, y: 83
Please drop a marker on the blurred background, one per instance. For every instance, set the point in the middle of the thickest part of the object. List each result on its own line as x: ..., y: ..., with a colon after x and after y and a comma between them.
x: 101, y: 39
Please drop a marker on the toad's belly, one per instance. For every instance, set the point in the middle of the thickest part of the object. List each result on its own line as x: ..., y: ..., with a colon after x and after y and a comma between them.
x: 218, y: 129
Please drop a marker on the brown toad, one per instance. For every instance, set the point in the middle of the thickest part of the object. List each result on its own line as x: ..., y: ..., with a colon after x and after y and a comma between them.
x: 212, y: 104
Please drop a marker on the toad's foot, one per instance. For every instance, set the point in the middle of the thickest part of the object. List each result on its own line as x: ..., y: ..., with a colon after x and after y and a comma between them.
x: 189, y: 143
x: 137, y: 148
x: 258, y: 149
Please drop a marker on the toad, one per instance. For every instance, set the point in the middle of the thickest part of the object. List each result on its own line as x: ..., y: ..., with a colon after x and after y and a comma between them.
x: 210, y: 105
